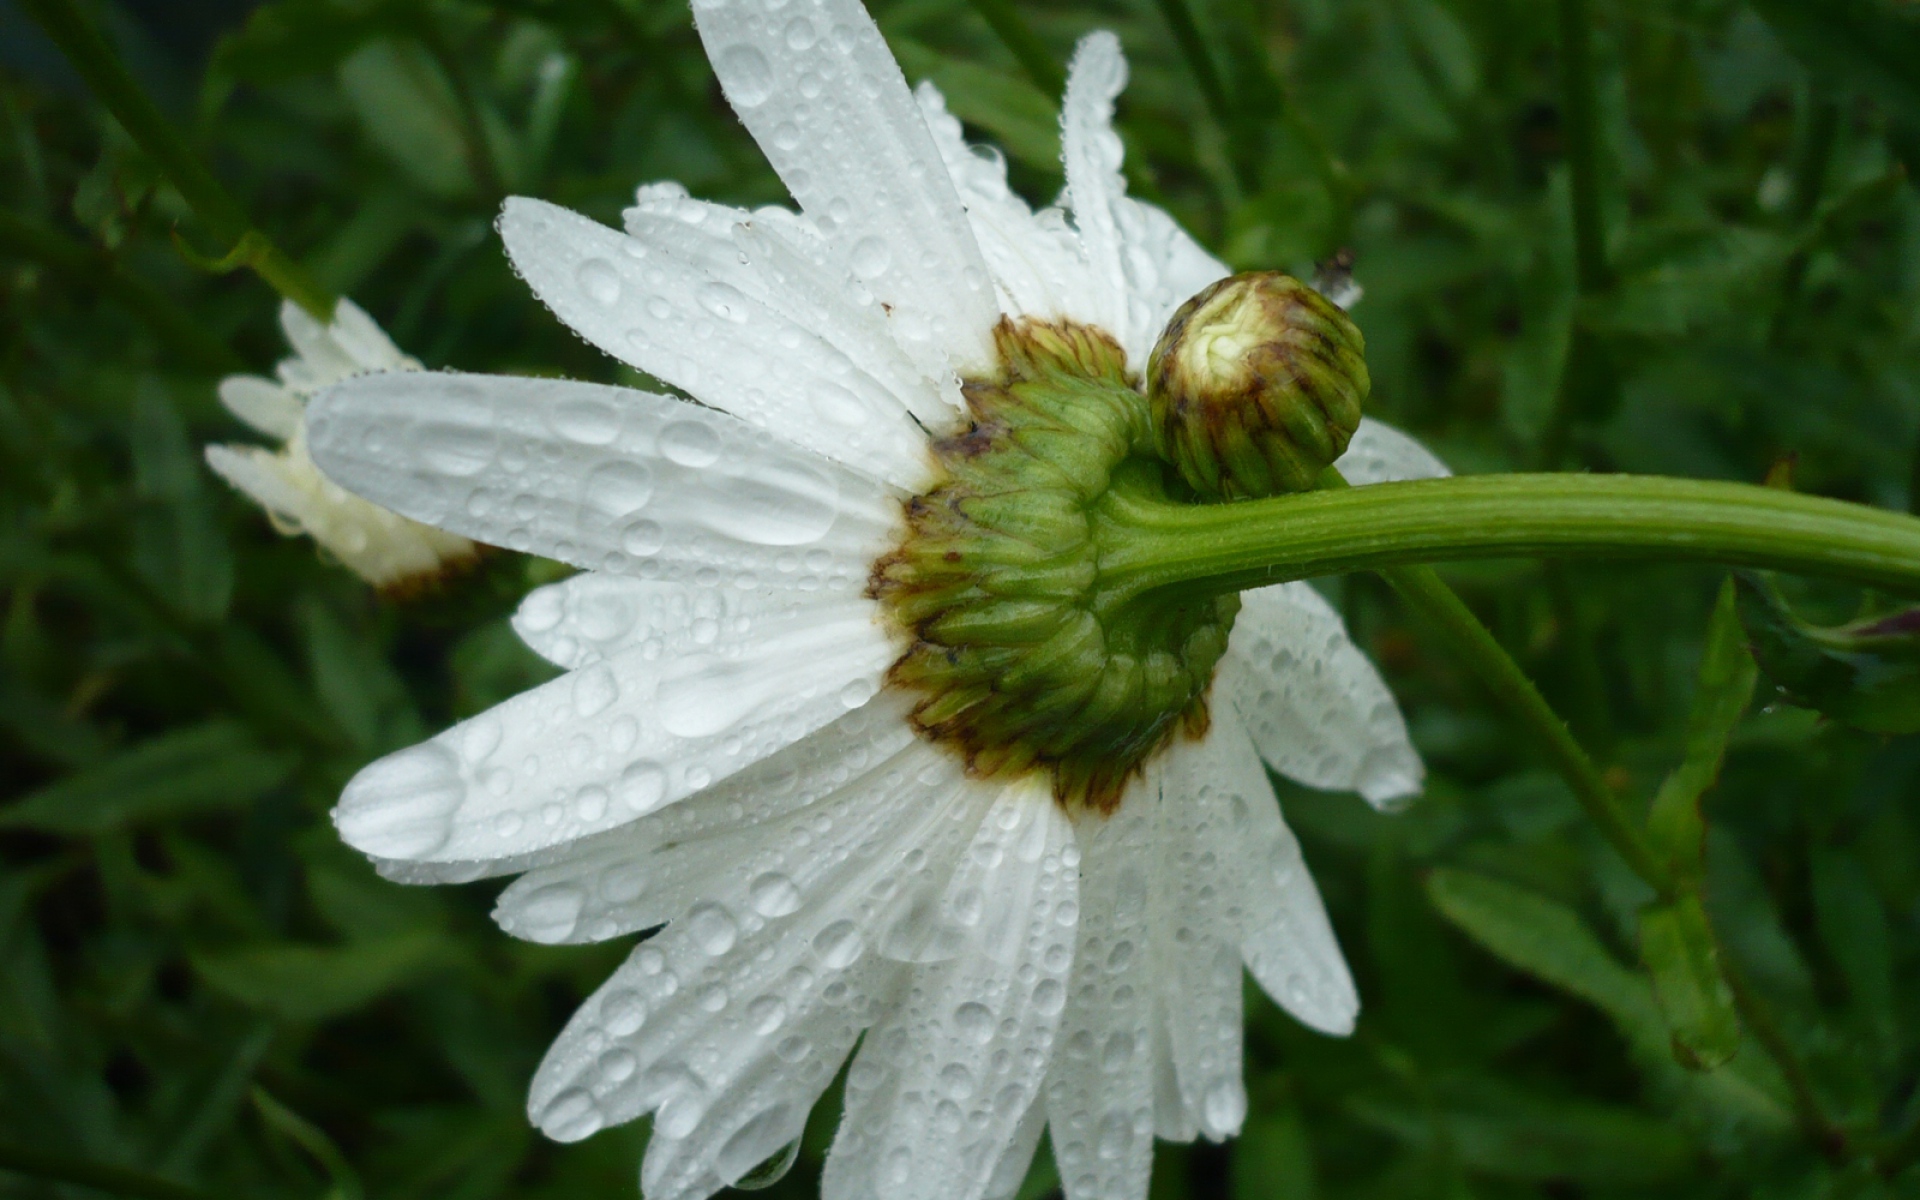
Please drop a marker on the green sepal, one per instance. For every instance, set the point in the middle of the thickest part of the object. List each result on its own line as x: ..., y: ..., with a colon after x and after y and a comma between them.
x: 1865, y: 675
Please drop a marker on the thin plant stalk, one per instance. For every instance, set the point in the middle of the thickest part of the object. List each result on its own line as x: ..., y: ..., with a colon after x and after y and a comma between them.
x: 242, y: 243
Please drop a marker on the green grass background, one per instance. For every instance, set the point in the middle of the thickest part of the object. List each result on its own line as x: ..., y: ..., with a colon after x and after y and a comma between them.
x: 198, y: 983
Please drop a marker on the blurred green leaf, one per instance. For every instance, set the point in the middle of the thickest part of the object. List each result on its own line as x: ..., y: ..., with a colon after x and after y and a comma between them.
x: 293, y: 37
x: 1544, y: 939
x: 311, y: 983
x: 214, y: 765
x: 1722, y: 689
x: 314, y: 1140
x: 178, y: 544
x: 1677, y: 945
x: 1537, y: 1137
x: 1869, y: 45
x: 410, y: 111
x: 1866, y: 674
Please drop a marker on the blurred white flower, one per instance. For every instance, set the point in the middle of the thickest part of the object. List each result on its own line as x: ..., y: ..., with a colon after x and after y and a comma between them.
x: 727, y: 757
x: 383, y: 548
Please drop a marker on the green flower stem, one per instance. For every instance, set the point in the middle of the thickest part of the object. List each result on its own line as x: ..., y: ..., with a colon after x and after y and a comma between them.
x: 1150, y: 541
x: 1426, y: 593
x: 96, y: 62
x: 1027, y: 48
x: 118, y: 1181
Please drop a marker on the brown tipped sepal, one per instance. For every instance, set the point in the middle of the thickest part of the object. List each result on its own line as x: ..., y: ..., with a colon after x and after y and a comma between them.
x: 1256, y: 386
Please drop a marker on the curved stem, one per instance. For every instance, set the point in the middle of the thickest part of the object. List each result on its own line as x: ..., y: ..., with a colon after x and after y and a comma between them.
x: 1425, y: 592
x: 1149, y: 541
x: 115, y: 87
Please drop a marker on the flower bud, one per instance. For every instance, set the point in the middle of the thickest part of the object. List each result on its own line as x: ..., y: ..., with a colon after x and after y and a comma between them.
x: 1255, y: 387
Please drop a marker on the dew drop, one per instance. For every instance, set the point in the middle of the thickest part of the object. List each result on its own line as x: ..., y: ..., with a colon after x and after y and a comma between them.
x: 793, y: 1049
x: 690, y: 443
x: 786, y: 135
x: 712, y: 928
x: 642, y: 785
x: 570, y: 1116
x: 800, y: 33
x: 713, y: 997
x: 623, y: 1012
x: 590, y: 804
x: 748, y: 78
x: 774, y: 895
x: 599, y: 281
x: 402, y: 806
x: 838, y: 945
x: 767, y: 1014
x: 724, y: 301
x: 1224, y: 1107
x: 616, y: 489
x: 760, y: 1152
x: 1049, y: 997
x: 643, y: 539
x: 618, y: 1065
x: 594, y: 690
x: 546, y: 914
x: 1116, y: 1137
x: 974, y: 1021
x: 870, y: 258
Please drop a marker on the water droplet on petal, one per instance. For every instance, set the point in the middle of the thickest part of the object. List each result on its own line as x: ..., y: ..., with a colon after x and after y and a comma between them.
x: 800, y: 33
x: 570, y: 1116
x: 599, y: 281
x: 974, y: 1021
x: 616, y: 489
x: 724, y: 301
x: 546, y: 914
x: 402, y: 806
x: 774, y: 895
x: 642, y: 785
x: 767, y: 1014
x: 838, y: 945
x: 712, y: 928
x: 622, y: 1012
x: 1049, y: 997
x: 760, y: 1152
x: 870, y: 258
x: 690, y: 443
x: 594, y: 690
x: 744, y: 71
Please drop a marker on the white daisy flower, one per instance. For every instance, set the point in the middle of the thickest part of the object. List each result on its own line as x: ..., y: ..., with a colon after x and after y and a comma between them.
x: 828, y: 718
x: 381, y: 547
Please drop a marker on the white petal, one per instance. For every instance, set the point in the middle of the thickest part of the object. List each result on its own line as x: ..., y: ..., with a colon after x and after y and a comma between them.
x: 1100, y: 1090
x: 610, y: 743
x: 811, y: 769
x: 1092, y: 154
x: 1165, y: 269
x: 633, y: 878
x: 324, y: 355
x: 262, y: 404
x: 1286, y: 940
x: 1197, y: 934
x: 593, y: 616
x: 1314, y: 705
x: 605, y: 478
x: 1036, y: 262
x: 730, y: 1022
x: 1379, y: 453
x: 1144, y: 264
x: 381, y: 547
x: 1017, y: 1159
x: 675, y: 300
x: 819, y: 90
x: 941, y: 1086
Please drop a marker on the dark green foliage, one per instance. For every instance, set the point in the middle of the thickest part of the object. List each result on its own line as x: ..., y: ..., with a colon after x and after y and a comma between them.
x: 198, y: 984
